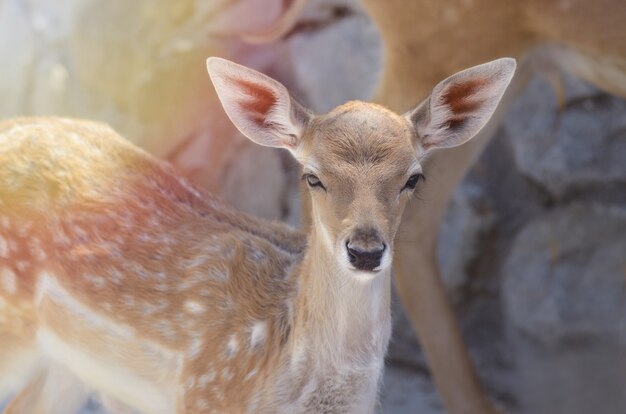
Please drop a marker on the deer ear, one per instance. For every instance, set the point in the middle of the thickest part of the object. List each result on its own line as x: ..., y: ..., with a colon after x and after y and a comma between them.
x: 461, y: 105
x: 257, y: 105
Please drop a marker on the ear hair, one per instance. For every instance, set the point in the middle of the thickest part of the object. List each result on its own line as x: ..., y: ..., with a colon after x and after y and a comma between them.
x: 260, y: 107
x: 461, y: 105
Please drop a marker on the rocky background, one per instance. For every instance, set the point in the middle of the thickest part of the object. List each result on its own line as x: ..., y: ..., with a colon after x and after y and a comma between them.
x: 533, y: 249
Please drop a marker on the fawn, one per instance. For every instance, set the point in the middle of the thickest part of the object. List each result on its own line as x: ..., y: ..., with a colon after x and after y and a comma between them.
x: 118, y: 276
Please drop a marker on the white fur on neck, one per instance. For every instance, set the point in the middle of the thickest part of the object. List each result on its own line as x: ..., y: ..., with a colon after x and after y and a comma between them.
x: 354, y: 312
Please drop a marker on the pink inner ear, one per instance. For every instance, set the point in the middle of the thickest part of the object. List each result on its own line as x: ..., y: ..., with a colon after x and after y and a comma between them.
x: 260, y: 102
x: 461, y: 99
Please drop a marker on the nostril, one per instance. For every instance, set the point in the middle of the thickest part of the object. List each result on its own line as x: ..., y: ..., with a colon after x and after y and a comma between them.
x: 365, y: 259
x: 352, y: 253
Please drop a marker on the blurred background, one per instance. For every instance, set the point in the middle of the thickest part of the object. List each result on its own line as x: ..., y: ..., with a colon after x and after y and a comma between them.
x: 533, y: 247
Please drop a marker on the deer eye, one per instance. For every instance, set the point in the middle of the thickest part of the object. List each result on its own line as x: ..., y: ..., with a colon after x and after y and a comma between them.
x: 313, y: 181
x: 412, y: 181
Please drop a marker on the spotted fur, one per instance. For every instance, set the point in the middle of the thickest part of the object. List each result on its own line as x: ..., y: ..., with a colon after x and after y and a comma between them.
x: 117, y: 275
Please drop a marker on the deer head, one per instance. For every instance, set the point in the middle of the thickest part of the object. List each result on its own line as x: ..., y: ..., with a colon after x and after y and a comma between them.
x: 361, y: 162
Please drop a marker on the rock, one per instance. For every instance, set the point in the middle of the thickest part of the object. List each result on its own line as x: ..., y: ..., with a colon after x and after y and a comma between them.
x: 564, y: 295
x: 263, y: 168
x: 468, y: 219
x: 580, y: 147
x: 406, y: 392
x: 565, y: 275
x: 329, y: 76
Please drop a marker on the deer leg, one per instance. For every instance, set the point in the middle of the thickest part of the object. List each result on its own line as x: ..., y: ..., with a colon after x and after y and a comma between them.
x: 429, y: 310
x: 425, y: 301
x: 417, y: 274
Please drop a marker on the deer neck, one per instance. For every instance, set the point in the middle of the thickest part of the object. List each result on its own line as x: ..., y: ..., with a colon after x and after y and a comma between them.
x: 336, y: 315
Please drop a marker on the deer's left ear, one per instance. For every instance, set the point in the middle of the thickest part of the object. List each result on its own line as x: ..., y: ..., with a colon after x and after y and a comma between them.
x: 260, y: 107
x: 461, y: 105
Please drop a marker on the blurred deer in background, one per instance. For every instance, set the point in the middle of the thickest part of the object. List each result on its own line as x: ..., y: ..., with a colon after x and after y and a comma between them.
x: 139, y: 66
x: 118, y: 276
x: 424, y: 41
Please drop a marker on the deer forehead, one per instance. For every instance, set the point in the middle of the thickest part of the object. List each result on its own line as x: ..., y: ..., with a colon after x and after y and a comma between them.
x: 360, y: 136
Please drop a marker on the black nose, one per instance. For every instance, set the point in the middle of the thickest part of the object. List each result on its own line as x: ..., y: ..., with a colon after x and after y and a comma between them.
x: 365, y: 249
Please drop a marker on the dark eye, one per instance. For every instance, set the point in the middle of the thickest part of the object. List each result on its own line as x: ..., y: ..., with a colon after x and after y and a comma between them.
x: 313, y: 181
x: 412, y: 182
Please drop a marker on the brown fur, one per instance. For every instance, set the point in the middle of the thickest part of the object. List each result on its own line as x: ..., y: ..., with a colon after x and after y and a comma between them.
x: 112, y: 253
x: 135, y: 248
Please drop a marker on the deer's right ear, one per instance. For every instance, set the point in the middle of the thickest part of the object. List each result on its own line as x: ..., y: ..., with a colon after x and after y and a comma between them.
x: 257, y: 105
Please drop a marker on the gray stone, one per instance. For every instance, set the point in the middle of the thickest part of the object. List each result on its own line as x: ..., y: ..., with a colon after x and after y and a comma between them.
x: 467, y: 220
x: 261, y: 170
x: 337, y: 56
x: 564, y: 295
x: 566, y: 273
x: 573, y: 149
x: 405, y: 391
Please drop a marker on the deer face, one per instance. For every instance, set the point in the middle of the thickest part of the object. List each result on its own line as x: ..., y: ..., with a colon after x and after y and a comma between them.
x: 361, y: 166
x: 361, y: 162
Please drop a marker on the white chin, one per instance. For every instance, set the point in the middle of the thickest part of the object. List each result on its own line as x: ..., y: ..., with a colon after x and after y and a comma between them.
x: 365, y: 276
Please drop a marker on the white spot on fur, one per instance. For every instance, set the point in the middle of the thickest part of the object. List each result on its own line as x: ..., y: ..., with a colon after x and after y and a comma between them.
x: 152, y: 308
x: 137, y: 269
x: 5, y: 223
x: 60, y: 238
x: 24, y: 228
x: 227, y: 374
x: 202, y: 404
x: 194, y: 348
x: 166, y: 328
x: 191, y: 382
x: 232, y: 346
x: 219, y: 395
x: 204, y: 379
x: 257, y: 255
x: 21, y: 266
x: 128, y: 299
x: 218, y: 274
x: 80, y: 233
x: 115, y: 276
x: 194, y: 307
x: 160, y: 276
x: 8, y: 280
x: 250, y: 375
x: 98, y: 281
x: 38, y: 253
x: 4, y: 248
x: 258, y: 333
x: 194, y: 261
